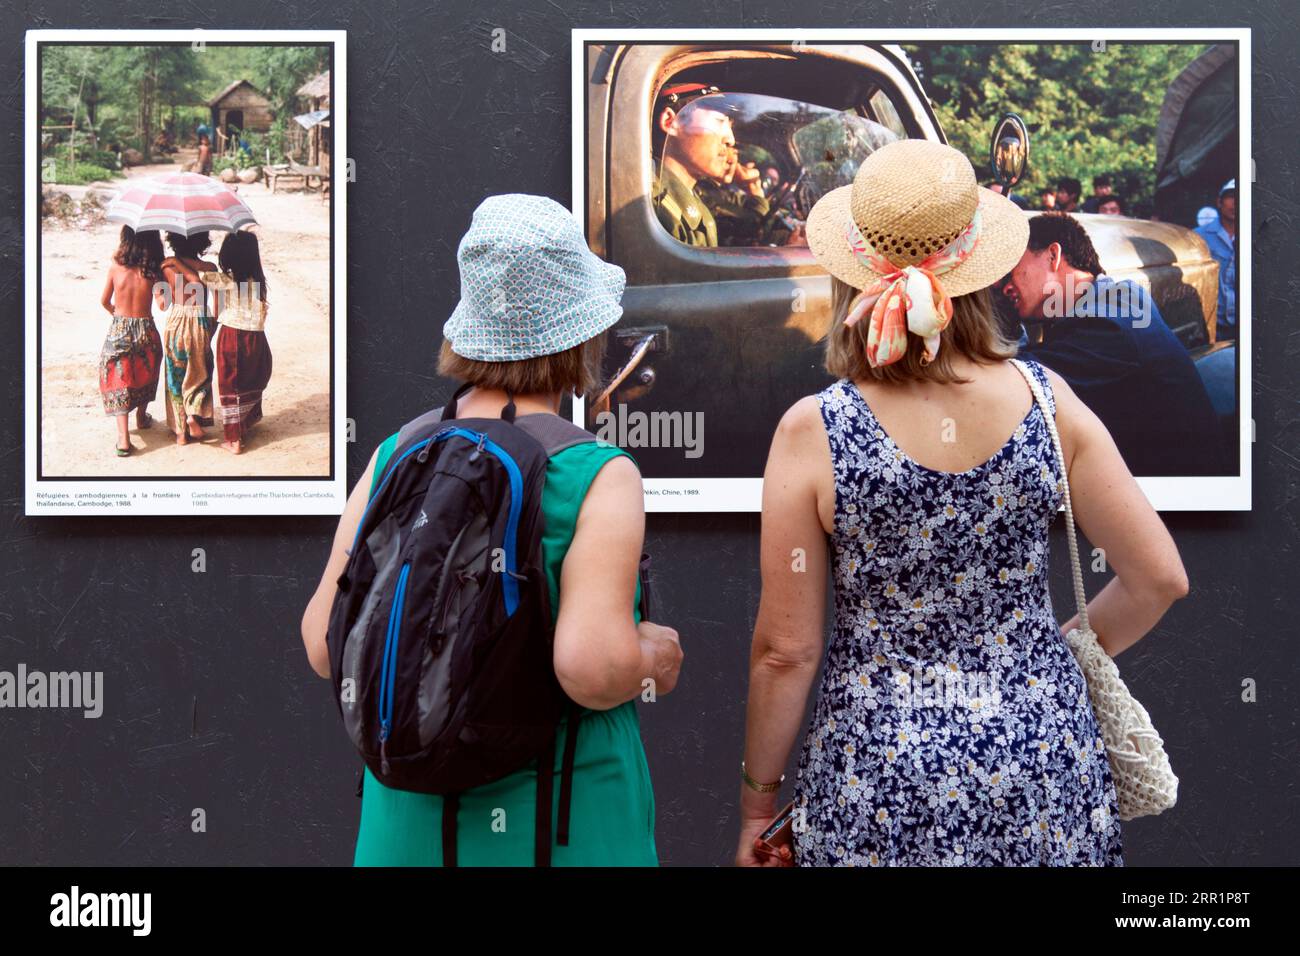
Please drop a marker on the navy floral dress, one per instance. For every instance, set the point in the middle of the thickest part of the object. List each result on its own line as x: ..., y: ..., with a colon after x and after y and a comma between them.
x: 953, y: 726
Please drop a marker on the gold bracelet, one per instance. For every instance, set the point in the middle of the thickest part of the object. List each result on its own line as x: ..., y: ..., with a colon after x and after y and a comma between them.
x: 755, y: 785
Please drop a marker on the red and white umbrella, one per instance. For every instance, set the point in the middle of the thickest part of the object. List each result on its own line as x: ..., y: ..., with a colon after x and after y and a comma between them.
x: 186, y: 203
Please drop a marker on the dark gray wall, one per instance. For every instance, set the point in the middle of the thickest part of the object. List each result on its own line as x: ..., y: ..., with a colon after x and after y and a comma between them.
x: 210, y: 702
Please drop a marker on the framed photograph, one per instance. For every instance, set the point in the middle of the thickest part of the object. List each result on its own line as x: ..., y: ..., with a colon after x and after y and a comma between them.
x: 697, y: 155
x: 185, y: 281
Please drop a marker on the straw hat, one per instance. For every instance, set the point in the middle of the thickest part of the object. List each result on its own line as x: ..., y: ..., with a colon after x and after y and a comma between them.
x: 529, y: 284
x: 909, y: 200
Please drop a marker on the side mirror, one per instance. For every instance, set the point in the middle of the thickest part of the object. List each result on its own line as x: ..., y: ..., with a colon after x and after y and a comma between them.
x: 1009, y: 150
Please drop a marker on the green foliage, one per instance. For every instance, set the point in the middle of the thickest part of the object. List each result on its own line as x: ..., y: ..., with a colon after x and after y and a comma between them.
x: 98, y: 157
x: 276, y: 71
x: 61, y: 171
x: 243, y: 159
x: 260, y: 143
x: 122, y: 95
x: 1088, y: 111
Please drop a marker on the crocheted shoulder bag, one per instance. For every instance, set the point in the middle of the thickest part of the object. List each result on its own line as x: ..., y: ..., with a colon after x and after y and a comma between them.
x: 1144, y: 782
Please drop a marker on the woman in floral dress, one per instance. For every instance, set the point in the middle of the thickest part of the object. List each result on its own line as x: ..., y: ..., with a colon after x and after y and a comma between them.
x: 952, y: 726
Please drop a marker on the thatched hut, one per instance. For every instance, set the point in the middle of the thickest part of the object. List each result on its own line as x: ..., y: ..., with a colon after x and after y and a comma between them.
x: 240, y: 106
x: 316, y: 92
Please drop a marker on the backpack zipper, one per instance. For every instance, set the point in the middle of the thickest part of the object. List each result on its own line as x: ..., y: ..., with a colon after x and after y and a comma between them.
x: 388, y: 674
x: 510, y: 584
x: 462, y: 577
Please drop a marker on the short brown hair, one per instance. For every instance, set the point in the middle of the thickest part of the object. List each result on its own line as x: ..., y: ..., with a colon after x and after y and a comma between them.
x: 577, y: 369
x: 1063, y: 229
x: 973, y: 332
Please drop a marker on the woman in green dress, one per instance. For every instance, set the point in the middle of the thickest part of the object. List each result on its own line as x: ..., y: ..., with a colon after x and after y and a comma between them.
x: 535, y: 304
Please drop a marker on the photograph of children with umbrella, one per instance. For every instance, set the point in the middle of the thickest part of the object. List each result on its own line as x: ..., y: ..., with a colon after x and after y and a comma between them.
x: 185, y: 207
x: 185, y: 188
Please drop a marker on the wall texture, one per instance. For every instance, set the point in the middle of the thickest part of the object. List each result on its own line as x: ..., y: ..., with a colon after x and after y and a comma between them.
x: 209, y: 700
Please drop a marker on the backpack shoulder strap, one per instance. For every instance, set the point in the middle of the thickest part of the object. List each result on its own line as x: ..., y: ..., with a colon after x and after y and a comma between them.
x: 553, y: 432
x: 417, y: 424
x: 386, y: 449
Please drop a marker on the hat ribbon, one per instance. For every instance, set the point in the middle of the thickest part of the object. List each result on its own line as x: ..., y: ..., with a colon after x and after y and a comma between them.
x: 911, y: 298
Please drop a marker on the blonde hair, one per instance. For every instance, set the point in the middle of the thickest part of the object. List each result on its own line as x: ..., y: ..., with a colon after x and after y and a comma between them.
x: 973, y: 332
x: 577, y: 369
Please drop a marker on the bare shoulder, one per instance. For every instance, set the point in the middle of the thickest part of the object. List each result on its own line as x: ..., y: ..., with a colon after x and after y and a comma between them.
x: 1070, y: 409
x: 802, y: 421
x: 1075, y: 421
x: 619, y: 470
x: 617, y: 484
x: 1060, y: 387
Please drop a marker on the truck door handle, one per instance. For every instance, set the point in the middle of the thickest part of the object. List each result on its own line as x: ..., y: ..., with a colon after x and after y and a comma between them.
x: 641, y: 341
x: 639, y: 351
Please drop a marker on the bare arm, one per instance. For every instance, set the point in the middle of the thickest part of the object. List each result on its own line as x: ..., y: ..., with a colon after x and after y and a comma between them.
x: 315, y: 620
x: 601, y: 655
x: 789, y: 631
x: 106, y: 297
x: 1114, y: 514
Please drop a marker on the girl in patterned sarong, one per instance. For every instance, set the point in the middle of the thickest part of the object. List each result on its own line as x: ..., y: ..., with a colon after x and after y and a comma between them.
x: 243, y: 355
x: 187, y: 338
x: 131, y: 358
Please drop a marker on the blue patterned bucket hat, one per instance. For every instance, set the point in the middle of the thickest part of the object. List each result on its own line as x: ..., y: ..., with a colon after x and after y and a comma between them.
x: 529, y: 285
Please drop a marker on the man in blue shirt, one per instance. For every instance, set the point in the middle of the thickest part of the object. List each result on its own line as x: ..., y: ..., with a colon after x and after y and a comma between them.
x: 1110, y: 344
x: 1221, y: 237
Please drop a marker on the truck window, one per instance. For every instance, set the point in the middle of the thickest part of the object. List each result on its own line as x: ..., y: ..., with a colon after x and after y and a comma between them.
x: 744, y: 169
x: 882, y: 107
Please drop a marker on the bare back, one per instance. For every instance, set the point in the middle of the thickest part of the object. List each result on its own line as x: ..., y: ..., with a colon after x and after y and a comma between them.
x: 184, y: 280
x: 955, y: 427
x: 132, y: 293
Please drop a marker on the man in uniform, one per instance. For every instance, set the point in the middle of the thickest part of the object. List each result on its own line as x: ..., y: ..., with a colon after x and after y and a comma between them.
x: 697, y: 143
x: 737, y: 202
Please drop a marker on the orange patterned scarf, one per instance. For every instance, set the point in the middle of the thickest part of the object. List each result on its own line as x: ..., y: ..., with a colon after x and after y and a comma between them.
x: 911, y: 298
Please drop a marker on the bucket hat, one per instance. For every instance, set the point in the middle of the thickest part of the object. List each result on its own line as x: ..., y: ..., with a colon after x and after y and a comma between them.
x: 917, y: 228
x: 529, y: 284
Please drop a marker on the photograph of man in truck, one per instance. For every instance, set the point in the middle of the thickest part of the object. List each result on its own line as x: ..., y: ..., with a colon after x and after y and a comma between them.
x: 703, y: 159
x: 1109, y: 342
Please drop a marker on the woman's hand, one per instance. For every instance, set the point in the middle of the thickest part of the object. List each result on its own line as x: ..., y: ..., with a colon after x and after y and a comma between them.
x: 752, y: 826
x: 786, y: 652
x: 662, y: 646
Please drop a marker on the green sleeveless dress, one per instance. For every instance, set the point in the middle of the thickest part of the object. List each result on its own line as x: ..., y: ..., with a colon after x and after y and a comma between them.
x: 612, y: 812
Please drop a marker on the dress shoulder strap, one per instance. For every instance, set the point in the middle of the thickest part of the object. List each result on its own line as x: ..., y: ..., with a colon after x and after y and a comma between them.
x: 1040, y: 374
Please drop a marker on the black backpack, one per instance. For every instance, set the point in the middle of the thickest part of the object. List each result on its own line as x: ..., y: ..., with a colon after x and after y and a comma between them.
x: 440, y: 636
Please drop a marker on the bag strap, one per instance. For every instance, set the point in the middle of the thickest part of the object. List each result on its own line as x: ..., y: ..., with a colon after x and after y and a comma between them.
x: 449, y: 410
x: 542, y: 821
x: 566, y: 772
x: 450, y: 810
x: 1080, y: 597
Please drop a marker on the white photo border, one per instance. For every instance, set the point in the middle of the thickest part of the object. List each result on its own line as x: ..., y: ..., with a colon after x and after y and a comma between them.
x: 243, y: 496
x: 1166, y: 493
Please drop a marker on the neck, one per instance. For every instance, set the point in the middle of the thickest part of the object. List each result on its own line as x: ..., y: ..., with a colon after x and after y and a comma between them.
x: 488, y: 402
x: 673, y: 164
x: 1073, y: 285
x: 1229, y: 226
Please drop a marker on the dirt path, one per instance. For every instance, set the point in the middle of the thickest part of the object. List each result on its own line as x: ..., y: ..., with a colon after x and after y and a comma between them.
x: 77, y: 438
